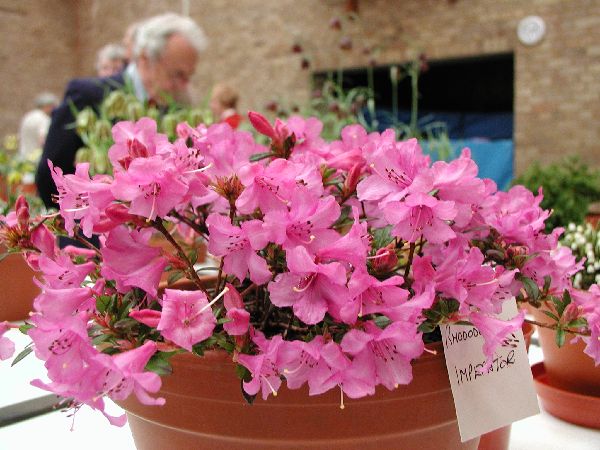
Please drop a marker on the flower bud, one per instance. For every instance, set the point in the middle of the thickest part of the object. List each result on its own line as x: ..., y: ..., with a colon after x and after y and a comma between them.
x: 103, y: 130
x: 517, y: 250
x: 195, y: 117
x: 168, y: 124
x: 135, y: 111
x: 119, y: 213
x: 22, y: 210
x: 229, y: 187
x: 385, y: 260
x: 571, y: 312
x: 115, y: 105
x: 352, y: 179
x: 261, y: 124
x: 85, y: 121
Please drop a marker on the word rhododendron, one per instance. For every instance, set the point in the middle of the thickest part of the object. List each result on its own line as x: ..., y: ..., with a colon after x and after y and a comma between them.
x: 337, y: 261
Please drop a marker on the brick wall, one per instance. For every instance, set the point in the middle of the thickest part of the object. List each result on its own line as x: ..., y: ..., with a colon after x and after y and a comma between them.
x: 38, y: 52
x: 557, y: 93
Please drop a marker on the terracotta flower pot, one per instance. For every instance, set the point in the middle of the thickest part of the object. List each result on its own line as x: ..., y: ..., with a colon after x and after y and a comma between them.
x: 17, y: 288
x: 500, y: 438
x: 204, y: 410
x: 568, y: 367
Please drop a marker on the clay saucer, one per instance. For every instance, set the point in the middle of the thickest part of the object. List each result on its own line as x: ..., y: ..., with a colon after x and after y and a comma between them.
x: 572, y: 407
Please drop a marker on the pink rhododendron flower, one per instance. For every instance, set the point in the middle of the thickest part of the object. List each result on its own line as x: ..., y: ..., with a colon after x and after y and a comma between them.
x: 58, y: 303
x: 515, y: 214
x: 263, y: 367
x: 151, y: 185
x: 369, y: 295
x: 271, y: 188
x: 311, y: 289
x: 354, y: 378
x: 239, y: 318
x: 388, y: 352
x: 421, y: 215
x: 238, y: 246
x: 494, y: 332
x: 134, y: 140
x: 394, y: 166
x: 131, y: 262
x: 148, y: 317
x: 81, y: 198
x: 307, y: 220
x: 298, y: 361
x: 186, y: 317
x: 61, y: 272
x: 7, y: 347
x: 127, y: 375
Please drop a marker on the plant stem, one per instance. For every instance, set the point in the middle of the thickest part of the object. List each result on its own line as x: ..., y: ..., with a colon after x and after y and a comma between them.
x: 553, y: 327
x: 411, y: 254
x: 371, y: 100
x: 414, y: 82
x: 189, y: 223
x: 394, y: 80
x: 158, y: 225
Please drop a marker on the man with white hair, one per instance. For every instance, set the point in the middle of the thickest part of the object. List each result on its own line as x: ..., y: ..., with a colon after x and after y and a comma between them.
x: 34, y: 125
x: 166, y: 52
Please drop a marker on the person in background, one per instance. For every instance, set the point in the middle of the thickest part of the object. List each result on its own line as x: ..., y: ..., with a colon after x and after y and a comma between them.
x: 166, y: 52
x: 129, y: 40
x: 223, y: 104
x: 34, y: 125
x: 110, y: 60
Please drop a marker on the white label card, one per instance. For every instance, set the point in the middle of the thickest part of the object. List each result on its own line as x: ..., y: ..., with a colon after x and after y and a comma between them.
x: 490, y: 400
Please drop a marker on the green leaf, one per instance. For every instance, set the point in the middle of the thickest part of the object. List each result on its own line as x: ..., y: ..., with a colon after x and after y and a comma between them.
x: 193, y: 256
x: 103, y: 303
x: 101, y: 338
x: 560, y: 337
x: 174, y: 277
x: 547, y: 281
x: 259, y: 156
x: 125, y: 324
x: 427, y: 327
x: 531, y: 287
x: 241, y: 372
x: 25, y: 328
x: 382, y: 237
x: 159, y: 363
x: 382, y: 321
x: 26, y: 351
x: 551, y: 315
x: 578, y: 323
x: 249, y: 398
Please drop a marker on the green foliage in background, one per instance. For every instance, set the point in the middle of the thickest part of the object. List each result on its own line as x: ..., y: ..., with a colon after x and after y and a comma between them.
x: 569, y: 186
x: 94, y: 128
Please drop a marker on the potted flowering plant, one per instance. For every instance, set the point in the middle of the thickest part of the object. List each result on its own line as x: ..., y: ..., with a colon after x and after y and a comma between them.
x: 571, y: 370
x: 338, y: 261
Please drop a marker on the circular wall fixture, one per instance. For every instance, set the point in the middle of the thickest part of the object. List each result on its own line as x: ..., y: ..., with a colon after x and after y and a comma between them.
x: 531, y: 30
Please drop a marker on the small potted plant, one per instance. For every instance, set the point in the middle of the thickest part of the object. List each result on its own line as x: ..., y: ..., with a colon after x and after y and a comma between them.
x: 570, y: 368
x: 16, y: 178
x: 338, y: 261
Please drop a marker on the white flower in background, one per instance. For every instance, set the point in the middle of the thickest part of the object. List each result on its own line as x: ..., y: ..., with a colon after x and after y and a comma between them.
x: 584, y: 241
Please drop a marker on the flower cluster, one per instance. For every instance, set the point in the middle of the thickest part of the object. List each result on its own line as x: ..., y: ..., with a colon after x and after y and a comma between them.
x: 584, y: 241
x: 337, y: 260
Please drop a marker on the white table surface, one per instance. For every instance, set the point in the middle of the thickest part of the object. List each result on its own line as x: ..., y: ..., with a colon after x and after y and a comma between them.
x: 91, y: 431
